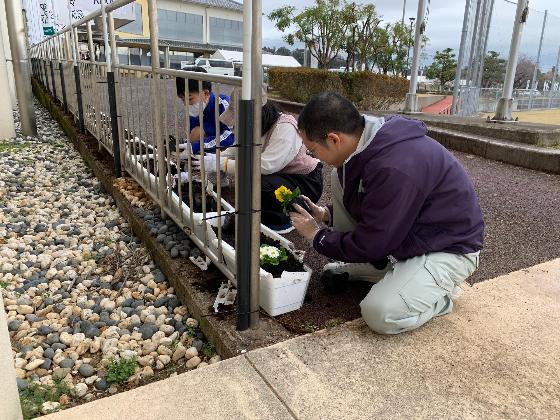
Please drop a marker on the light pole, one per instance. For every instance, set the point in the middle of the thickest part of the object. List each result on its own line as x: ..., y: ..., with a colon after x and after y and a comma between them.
x: 412, y: 19
x: 503, y: 110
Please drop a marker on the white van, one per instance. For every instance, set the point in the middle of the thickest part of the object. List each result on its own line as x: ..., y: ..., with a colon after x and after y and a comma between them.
x: 214, y: 66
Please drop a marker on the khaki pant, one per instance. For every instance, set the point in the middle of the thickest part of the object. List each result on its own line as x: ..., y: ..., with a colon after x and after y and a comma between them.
x: 412, y: 291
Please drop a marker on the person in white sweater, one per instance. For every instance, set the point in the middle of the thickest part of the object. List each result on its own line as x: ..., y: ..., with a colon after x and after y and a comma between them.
x: 284, y: 162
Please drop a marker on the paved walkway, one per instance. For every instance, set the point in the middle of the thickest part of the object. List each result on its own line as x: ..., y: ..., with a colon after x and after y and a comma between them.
x: 439, y: 106
x: 496, y: 356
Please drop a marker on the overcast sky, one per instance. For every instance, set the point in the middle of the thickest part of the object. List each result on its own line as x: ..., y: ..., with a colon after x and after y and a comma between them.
x: 445, y: 22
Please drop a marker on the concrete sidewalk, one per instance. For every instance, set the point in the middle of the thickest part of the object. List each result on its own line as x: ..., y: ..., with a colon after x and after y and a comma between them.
x: 496, y: 356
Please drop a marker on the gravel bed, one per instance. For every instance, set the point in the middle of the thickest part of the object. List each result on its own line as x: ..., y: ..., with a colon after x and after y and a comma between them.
x: 80, y: 291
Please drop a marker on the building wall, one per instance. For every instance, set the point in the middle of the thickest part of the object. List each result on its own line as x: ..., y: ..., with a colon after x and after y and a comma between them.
x: 145, y: 23
x: 194, y: 9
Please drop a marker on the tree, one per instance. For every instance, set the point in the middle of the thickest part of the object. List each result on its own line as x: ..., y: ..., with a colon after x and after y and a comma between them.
x: 494, y: 70
x: 523, y: 72
x: 443, y: 67
x: 283, y: 51
x: 298, y: 55
x: 322, y: 28
x: 269, y: 50
x: 363, y: 38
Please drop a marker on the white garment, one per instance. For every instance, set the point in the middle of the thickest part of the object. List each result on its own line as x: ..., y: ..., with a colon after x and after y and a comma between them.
x: 282, y: 148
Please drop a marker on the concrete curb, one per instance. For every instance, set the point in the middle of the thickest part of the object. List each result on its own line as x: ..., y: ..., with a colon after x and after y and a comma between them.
x: 454, y: 133
x: 181, y: 274
x: 10, y: 408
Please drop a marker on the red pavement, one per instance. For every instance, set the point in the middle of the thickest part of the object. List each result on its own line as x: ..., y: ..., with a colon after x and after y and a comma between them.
x: 440, y: 107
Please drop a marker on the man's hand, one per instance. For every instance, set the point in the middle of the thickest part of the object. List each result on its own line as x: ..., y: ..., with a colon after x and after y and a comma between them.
x: 304, y: 223
x: 320, y: 214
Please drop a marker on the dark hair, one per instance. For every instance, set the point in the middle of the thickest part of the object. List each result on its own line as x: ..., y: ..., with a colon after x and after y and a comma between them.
x: 270, y: 114
x: 193, y: 84
x: 327, y: 112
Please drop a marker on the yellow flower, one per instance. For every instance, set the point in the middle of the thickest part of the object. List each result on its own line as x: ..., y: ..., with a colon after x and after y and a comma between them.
x: 281, y: 192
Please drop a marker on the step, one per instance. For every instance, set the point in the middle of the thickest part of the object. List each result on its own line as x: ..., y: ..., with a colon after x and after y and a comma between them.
x: 524, y: 155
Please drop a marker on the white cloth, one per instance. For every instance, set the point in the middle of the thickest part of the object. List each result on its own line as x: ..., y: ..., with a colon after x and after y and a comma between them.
x: 282, y: 148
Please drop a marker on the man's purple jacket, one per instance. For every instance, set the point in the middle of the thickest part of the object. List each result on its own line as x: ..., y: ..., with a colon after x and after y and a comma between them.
x: 408, y: 195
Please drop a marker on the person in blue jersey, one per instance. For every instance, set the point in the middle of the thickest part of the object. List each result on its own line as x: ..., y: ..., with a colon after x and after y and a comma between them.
x: 207, y: 134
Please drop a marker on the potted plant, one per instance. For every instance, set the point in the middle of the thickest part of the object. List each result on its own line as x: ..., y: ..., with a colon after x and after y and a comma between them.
x: 288, y: 198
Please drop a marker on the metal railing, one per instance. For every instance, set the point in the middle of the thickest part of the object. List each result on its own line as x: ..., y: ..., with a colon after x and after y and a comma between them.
x: 147, y: 132
x: 474, y: 99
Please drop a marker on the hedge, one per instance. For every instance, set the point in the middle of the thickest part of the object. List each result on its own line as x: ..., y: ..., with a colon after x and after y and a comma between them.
x: 367, y: 90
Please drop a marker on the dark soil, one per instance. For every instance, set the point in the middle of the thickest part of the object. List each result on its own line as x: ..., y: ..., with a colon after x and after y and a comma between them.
x: 290, y: 265
x: 521, y: 209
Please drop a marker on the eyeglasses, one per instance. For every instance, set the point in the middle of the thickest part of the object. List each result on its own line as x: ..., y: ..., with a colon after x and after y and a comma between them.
x: 310, y: 152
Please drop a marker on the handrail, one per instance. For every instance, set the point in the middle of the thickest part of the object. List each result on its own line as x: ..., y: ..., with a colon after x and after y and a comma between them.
x: 109, y: 8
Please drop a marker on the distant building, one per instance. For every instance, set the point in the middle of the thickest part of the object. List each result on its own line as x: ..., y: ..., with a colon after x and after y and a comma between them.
x: 187, y: 29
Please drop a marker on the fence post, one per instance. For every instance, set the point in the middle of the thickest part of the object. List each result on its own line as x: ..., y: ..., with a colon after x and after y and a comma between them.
x: 61, y: 70
x: 51, y: 65
x: 75, y: 54
x: 156, y: 133
x: 112, y: 97
x: 256, y: 80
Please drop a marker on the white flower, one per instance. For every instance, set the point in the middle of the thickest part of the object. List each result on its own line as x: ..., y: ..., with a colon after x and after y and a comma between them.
x: 269, y: 251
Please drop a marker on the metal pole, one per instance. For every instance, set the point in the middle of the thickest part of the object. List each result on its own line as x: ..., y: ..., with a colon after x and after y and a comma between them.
x: 51, y: 65
x: 75, y: 54
x: 257, y: 79
x: 473, y: 43
x: 486, y: 36
x: 61, y: 70
x: 403, y: 11
x: 7, y: 128
x: 411, y: 100
x: 91, y: 49
x: 157, y: 137
x: 244, y: 235
x: 166, y: 58
x: 17, y: 35
x: 553, y: 82
x: 479, y: 42
x: 111, y: 93
x: 458, y: 71
x: 534, y: 83
x: 503, y: 110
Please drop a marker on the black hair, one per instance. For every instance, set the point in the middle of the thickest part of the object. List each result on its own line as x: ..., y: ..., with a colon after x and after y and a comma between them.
x: 269, y: 116
x: 327, y: 112
x: 193, y: 84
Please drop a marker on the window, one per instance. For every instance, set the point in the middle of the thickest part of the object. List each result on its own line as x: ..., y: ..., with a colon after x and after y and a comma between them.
x: 220, y: 63
x: 179, y: 26
x: 225, y: 31
x: 134, y: 27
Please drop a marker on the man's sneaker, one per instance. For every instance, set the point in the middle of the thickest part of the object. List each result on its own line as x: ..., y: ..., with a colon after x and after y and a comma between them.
x: 357, y: 271
x: 282, y: 229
